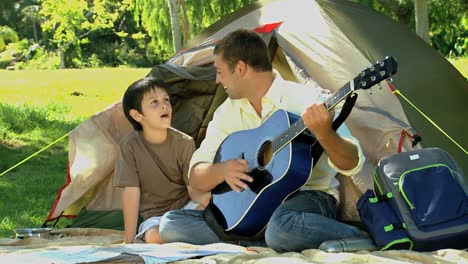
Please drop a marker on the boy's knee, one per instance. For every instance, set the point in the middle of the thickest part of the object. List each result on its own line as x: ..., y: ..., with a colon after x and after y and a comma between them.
x: 170, y: 225
x: 152, y: 236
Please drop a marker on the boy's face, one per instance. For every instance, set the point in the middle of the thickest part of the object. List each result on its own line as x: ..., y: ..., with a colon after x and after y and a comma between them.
x: 156, y: 110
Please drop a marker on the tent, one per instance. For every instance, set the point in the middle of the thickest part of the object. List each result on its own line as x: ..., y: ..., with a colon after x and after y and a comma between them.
x: 326, y: 42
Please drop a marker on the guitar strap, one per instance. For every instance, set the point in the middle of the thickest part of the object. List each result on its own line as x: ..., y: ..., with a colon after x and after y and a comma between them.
x: 348, y: 105
x: 210, y: 218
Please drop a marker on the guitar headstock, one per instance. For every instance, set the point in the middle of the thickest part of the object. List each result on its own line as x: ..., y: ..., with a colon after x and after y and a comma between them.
x: 376, y: 73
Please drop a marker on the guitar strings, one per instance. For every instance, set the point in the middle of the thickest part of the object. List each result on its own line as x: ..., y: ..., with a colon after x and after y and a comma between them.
x: 264, y: 148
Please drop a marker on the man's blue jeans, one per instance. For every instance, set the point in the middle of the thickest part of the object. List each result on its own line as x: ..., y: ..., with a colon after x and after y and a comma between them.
x: 303, y: 221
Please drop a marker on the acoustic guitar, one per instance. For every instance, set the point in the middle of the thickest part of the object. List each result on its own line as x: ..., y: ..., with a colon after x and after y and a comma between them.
x: 279, y: 153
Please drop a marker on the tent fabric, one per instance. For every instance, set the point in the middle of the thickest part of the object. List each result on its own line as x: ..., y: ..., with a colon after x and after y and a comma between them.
x: 91, y: 154
x: 424, y: 76
x: 327, y: 42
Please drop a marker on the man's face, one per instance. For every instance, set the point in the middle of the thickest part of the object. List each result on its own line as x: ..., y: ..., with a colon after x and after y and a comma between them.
x: 227, y: 77
x: 156, y: 110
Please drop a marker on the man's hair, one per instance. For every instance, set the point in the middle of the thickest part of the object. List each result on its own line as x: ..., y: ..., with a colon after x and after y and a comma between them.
x: 244, y: 45
x: 135, y: 93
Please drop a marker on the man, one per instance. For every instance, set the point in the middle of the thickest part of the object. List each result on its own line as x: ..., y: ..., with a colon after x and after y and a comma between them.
x: 255, y: 92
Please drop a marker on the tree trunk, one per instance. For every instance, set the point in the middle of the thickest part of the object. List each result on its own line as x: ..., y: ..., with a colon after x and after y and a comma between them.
x: 422, y: 19
x: 175, y: 24
x: 186, y: 22
x: 35, y: 32
x: 62, y: 57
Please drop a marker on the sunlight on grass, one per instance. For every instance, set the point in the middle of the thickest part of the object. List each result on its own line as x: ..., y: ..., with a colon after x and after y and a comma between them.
x: 461, y: 64
x: 85, y: 91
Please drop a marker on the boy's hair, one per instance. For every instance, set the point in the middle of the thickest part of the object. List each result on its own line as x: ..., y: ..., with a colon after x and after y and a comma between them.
x: 135, y: 93
x: 244, y: 45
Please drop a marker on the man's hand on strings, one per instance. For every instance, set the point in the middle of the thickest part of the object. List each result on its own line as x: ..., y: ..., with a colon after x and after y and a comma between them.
x: 234, y: 173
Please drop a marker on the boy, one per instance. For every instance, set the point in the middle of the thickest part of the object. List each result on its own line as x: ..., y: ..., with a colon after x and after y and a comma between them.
x: 152, y: 163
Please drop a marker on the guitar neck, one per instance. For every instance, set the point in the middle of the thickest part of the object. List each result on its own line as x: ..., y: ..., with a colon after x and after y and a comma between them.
x: 366, y: 79
x: 299, y: 126
x: 339, y: 95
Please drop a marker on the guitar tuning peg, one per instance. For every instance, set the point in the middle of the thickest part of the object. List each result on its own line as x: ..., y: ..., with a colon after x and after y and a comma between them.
x: 381, y: 63
x: 390, y: 80
x: 363, y: 84
x: 370, y: 91
x: 382, y: 73
x: 363, y: 74
x: 380, y: 86
x: 373, y: 78
x: 372, y: 68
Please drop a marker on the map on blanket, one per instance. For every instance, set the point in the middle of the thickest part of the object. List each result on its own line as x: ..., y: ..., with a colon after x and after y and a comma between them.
x: 150, y: 253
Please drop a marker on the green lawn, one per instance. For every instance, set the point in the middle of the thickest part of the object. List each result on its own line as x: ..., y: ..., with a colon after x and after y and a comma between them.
x: 36, y: 108
x: 84, y: 91
x: 461, y: 64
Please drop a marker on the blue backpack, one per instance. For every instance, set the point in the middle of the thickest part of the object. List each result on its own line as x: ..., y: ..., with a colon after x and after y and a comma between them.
x: 420, y: 202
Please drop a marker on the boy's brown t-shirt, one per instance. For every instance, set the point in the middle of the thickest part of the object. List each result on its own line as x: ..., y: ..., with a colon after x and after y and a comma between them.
x: 159, y: 170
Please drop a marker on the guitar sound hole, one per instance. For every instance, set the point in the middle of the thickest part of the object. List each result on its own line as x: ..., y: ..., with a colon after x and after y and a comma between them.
x: 265, y: 154
x: 261, y: 178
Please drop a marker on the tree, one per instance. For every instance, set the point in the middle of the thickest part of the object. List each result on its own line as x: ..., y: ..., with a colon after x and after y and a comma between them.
x: 71, y: 21
x: 196, y: 16
x: 8, y: 14
x: 186, y: 35
x: 175, y: 23
x: 402, y: 11
x: 449, y: 26
x: 31, y: 14
x: 7, y: 34
x: 422, y: 19
x: 441, y: 23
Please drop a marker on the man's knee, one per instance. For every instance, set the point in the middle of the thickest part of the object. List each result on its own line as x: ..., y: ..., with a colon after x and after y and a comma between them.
x: 276, y: 233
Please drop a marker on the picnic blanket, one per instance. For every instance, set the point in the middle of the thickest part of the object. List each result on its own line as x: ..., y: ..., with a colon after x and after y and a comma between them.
x: 79, y: 245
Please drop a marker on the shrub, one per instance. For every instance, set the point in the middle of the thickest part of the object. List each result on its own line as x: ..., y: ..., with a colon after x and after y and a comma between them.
x: 23, y: 118
x: 41, y: 60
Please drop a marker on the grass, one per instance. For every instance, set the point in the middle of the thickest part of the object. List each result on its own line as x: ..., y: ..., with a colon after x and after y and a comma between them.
x: 36, y: 108
x: 84, y: 91
x: 461, y: 64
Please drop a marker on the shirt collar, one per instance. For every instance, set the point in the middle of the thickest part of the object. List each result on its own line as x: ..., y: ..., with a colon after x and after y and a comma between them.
x: 274, y: 94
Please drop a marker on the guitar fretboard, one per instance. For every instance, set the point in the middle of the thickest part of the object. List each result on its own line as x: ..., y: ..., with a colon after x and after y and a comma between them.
x: 339, y: 95
x: 298, y: 127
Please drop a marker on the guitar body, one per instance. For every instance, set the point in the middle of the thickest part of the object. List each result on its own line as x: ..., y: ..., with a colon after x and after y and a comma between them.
x: 247, y: 212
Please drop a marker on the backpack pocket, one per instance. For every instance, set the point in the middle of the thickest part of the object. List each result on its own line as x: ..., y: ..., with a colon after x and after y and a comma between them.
x: 384, y: 226
x: 433, y: 196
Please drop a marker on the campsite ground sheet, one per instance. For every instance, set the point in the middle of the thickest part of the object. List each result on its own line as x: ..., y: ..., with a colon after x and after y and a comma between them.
x: 79, y: 245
